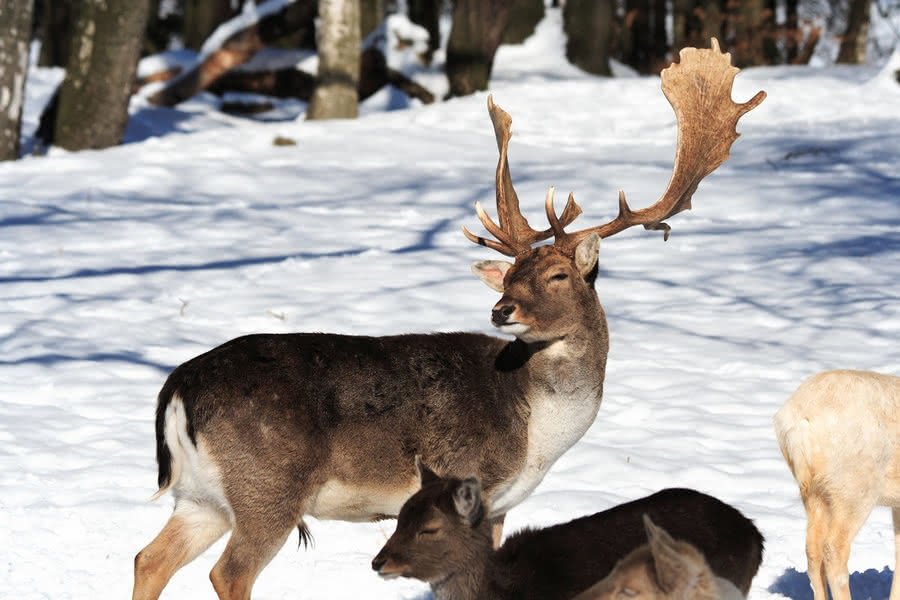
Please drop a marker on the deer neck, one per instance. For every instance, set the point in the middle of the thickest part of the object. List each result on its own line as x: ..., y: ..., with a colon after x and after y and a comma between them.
x: 469, y: 580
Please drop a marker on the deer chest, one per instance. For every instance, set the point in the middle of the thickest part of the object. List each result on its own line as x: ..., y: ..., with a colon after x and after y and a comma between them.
x: 556, y: 422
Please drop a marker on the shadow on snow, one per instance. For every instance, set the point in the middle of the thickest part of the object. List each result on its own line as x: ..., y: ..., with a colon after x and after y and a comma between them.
x: 868, y: 585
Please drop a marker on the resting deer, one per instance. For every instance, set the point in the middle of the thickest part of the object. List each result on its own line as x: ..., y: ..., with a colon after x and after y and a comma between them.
x: 838, y: 433
x: 663, y: 569
x: 444, y: 538
x: 264, y: 430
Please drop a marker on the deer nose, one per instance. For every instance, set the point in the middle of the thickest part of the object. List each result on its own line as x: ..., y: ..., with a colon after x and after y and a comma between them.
x: 378, y: 562
x: 501, y: 314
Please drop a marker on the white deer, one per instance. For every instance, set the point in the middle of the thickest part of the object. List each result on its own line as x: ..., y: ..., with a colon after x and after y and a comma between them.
x: 840, y: 435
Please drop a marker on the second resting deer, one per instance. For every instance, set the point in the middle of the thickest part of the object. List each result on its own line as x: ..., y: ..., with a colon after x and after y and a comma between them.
x: 264, y: 430
x: 444, y: 538
x: 663, y: 569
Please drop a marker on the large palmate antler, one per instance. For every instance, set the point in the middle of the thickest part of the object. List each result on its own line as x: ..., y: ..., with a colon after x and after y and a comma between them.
x: 699, y: 90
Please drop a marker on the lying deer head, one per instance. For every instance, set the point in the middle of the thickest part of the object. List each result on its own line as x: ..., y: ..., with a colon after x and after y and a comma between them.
x: 440, y: 530
x: 663, y: 569
x: 699, y: 90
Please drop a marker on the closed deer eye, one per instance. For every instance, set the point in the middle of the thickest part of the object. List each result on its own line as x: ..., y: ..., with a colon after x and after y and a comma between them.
x: 430, y: 531
x: 559, y: 277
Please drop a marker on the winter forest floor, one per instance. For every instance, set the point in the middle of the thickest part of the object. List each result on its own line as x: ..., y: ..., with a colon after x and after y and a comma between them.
x: 117, y: 265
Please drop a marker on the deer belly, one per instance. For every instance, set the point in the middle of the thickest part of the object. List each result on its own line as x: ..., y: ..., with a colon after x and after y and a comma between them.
x: 555, y: 424
x: 347, y: 501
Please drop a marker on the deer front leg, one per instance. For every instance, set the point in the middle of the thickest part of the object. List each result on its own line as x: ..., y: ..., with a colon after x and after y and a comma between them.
x: 497, y: 531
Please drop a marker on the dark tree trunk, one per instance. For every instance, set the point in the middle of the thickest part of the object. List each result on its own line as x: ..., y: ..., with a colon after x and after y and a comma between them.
x: 523, y: 18
x: 93, y: 99
x: 161, y: 30
x: 853, y: 43
x: 15, y: 31
x: 771, y: 53
x: 589, y: 29
x: 371, y: 14
x: 56, y: 32
x: 696, y: 21
x: 201, y: 17
x: 746, y: 18
x: 335, y: 96
x: 427, y: 13
x: 478, y: 27
x: 643, y: 40
x: 793, y: 37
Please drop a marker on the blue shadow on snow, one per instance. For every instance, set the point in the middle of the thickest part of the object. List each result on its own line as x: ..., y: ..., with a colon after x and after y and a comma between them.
x: 868, y: 585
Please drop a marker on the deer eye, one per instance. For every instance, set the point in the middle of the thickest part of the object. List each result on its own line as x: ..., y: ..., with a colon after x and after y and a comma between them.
x: 627, y: 593
x: 429, y: 531
x: 559, y: 277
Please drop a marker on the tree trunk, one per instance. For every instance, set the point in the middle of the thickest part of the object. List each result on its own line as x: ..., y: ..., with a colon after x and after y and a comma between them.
x: 201, y: 17
x: 695, y: 22
x: 56, y: 32
x: 93, y: 98
x: 339, y: 49
x: 427, y: 13
x: 523, y: 18
x: 793, y: 37
x: 478, y: 27
x: 15, y: 25
x: 589, y: 29
x: 746, y: 18
x: 371, y: 14
x: 853, y: 44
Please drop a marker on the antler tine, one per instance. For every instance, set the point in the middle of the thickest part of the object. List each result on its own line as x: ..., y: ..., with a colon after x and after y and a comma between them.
x: 699, y: 90
x: 514, y: 234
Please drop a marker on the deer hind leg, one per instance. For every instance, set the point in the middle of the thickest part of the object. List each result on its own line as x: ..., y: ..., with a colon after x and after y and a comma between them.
x: 848, y: 516
x: 895, y: 584
x: 818, y: 517
x: 261, y: 529
x: 190, y: 530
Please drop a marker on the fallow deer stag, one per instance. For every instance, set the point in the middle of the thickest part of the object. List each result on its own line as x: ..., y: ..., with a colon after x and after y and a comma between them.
x: 264, y: 430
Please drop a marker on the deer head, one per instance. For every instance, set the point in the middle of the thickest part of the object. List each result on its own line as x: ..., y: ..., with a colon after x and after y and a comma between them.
x: 663, y: 569
x: 535, y: 286
x: 441, y: 529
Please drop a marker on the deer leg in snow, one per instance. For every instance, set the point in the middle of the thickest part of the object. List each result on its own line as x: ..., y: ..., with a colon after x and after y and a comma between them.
x: 191, y: 530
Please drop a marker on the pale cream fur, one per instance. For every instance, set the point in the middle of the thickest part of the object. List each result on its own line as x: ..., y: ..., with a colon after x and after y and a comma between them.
x: 839, y: 434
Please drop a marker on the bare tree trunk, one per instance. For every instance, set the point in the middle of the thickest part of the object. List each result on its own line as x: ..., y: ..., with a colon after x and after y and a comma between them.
x: 746, y: 18
x: 15, y: 31
x: 56, y: 32
x: 524, y: 17
x: 371, y: 14
x: 93, y: 98
x: 643, y: 40
x: 793, y: 36
x: 201, y: 17
x: 853, y: 43
x: 339, y: 49
x: 696, y: 21
x: 589, y: 29
x: 427, y: 13
x: 478, y: 27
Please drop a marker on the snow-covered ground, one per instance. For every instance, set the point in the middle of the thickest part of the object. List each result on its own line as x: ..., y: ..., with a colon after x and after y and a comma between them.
x: 117, y: 265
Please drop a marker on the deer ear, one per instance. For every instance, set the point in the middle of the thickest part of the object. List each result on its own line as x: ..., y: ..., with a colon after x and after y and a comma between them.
x: 492, y: 272
x: 426, y: 475
x: 673, y: 568
x: 467, y: 500
x: 586, y: 253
